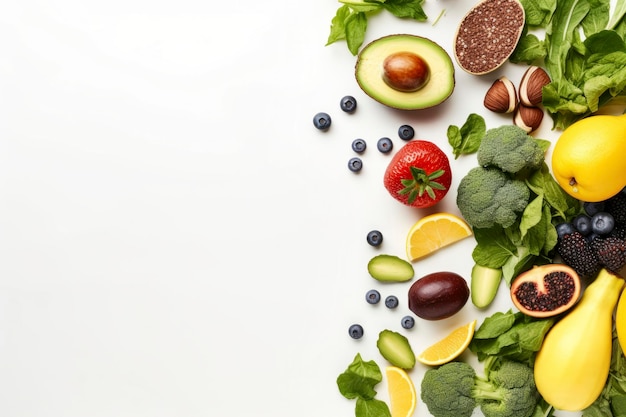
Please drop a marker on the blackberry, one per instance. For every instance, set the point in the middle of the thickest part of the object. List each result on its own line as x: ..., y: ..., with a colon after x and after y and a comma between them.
x: 617, y: 207
x: 611, y: 252
x: 577, y: 252
x: 619, y: 231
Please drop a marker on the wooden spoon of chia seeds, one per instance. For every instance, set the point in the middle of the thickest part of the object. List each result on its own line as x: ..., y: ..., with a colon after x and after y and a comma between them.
x: 488, y: 35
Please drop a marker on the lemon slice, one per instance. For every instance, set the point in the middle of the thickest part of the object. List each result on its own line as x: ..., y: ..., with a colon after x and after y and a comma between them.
x: 450, y: 347
x: 402, y: 395
x: 433, y: 232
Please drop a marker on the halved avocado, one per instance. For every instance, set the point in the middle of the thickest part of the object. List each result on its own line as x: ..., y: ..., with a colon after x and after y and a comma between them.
x: 435, y: 87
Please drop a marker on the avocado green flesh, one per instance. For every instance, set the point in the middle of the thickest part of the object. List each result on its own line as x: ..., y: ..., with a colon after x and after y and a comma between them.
x: 396, y: 349
x: 390, y: 268
x: 436, y: 90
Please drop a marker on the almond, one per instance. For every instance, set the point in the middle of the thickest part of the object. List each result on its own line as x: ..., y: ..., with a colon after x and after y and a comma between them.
x: 531, y: 86
x: 528, y: 118
x: 501, y: 96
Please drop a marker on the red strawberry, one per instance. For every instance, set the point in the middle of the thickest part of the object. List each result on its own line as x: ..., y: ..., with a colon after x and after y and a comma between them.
x: 419, y: 174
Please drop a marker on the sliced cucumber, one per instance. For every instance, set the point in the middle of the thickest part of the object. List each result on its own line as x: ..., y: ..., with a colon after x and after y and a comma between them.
x: 485, y: 282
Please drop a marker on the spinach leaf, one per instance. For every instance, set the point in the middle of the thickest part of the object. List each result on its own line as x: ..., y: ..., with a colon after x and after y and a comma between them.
x: 358, y: 382
x: 350, y: 20
x: 371, y: 408
x: 466, y: 139
x: 356, y: 24
x: 406, y: 8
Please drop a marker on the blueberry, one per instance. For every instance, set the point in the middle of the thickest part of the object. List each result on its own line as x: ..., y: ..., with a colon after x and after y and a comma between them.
x: 375, y: 238
x: 359, y: 145
x: 593, y: 208
x: 407, y: 322
x: 602, y: 223
x: 322, y: 121
x: 372, y: 297
x: 348, y: 104
x: 385, y: 145
x: 356, y: 331
x: 563, y: 229
x: 406, y: 132
x: 355, y: 164
x: 582, y: 223
x: 391, y: 301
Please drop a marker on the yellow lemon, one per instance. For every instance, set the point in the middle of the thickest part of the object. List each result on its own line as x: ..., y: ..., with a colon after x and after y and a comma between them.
x: 588, y: 158
x: 433, y: 232
x: 450, y: 347
x: 402, y: 395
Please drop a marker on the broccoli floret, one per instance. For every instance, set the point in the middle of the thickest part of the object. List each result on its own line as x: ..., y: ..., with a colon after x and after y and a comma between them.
x: 507, y: 390
x: 509, y: 148
x: 488, y: 196
x: 454, y: 390
x: 447, y: 390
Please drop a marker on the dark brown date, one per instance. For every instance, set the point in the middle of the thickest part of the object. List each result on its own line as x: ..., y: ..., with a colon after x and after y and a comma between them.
x: 438, y: 295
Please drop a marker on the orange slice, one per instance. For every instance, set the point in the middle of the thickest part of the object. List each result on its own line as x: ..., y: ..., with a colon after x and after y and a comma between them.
x: 402, y: 395
x: 434, y: 232
x: 450, y: 347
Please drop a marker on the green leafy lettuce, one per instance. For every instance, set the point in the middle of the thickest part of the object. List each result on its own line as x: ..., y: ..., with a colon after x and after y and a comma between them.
x: 583, y: 51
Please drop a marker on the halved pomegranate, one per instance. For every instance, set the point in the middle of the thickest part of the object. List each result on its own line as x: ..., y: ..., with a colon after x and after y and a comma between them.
x: 546, y: 290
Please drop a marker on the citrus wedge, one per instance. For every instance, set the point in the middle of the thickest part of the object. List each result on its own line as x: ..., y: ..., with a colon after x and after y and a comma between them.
x: 434, y: 232
x: 450, y: 347
x: 402, y: 395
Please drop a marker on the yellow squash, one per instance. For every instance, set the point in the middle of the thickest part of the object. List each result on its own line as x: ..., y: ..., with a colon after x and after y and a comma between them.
x: 573, y: 363
x: 620, y: 320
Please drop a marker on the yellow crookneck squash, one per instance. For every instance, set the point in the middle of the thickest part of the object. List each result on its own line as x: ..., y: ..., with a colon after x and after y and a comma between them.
x: 573, y: 363
x: 620, y: 320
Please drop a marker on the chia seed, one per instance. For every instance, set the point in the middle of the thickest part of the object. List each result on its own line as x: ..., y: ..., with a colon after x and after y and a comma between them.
x: 488, y: 35
x: 559, y: 287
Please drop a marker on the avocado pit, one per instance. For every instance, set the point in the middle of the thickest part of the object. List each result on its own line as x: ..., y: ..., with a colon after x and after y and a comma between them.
x: 405, y: 71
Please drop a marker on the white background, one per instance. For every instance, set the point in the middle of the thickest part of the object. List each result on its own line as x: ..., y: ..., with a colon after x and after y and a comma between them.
x: 176, y: 239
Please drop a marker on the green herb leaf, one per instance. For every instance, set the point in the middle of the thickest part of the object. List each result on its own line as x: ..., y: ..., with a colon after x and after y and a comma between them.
x: 406, y: 8
x: 510, y: 335
x: 356, y: 25
x: 466, y: 140
x: 337, y: 25
x: 359, y: 379
x: 371, y: 408
x: 529, y: 49
x: 493, y: 247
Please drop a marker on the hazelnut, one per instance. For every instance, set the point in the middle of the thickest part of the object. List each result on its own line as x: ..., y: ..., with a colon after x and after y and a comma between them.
x: 501, y: 96
x: 531, y: 86
x: 528, y: 118
x: 405, y: 71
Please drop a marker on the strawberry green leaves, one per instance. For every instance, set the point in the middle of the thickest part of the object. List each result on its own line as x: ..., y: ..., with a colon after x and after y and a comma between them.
x: 350, y: 21
x: 421, y: 183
